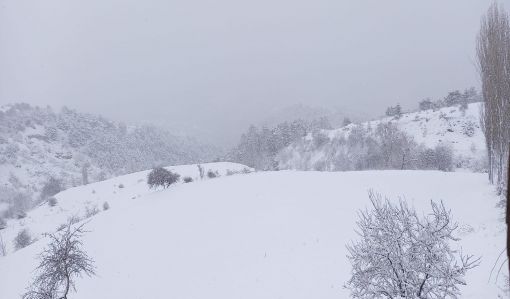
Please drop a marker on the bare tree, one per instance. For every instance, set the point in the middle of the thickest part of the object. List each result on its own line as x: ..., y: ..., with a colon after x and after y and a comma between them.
x: 22, y: 239
x: 493, y: 51
x: 85, y: 173
x: 401, y: 255
x: 3, y: 250
x: 60, y: 264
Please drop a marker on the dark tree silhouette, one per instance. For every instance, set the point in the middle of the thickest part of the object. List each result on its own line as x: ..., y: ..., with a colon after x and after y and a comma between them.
x: 161, y: 177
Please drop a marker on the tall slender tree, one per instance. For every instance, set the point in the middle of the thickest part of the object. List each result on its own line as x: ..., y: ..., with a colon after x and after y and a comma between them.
x: 493, y: 51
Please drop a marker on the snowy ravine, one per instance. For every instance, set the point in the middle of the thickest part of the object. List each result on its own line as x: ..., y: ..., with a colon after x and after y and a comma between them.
x: 256, y: 235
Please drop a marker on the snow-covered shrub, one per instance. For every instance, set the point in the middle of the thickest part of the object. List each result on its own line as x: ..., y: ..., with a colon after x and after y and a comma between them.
x: 18, y: 201
x: 444, y: 157
x: 403, y: 255
x: 121, y: 186
x: 468, y: 128
x: 52, y: 187
x: 3, y: 223
x: 22, y: 239
x: 160, y: 177
x: 231, y: 172
x: 21, y: 214
x: 91, y: 211
x: 187, y: 179
x: 52, y: 201
x: 106, y: 206
x: 438, y: 158
x: 212, y: 174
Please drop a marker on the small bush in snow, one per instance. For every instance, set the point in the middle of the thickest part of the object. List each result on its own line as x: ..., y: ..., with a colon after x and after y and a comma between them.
x: 468, y: 128
x: 52, y: 201
x: 91, y: 211
x: 106, y: 206
x: 231, y: 172
x: 22, y: 239
x: 60, y: 264
x: 52, y: 187
x: 211, y: 174
x: 187, y: 179
x: 3, y: 224
x: 21, y: 214
x: 403, y: 255
x: 160, y: 177
x: 121, y: 186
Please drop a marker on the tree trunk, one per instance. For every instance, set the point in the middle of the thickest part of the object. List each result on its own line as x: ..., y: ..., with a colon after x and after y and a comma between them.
x: 508, y: 215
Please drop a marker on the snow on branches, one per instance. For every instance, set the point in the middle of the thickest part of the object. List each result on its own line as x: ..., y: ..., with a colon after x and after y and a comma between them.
x: 402, y: 255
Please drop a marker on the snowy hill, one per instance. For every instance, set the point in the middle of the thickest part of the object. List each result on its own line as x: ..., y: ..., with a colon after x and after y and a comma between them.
x: 448, y: 126
x: 260, y: 235
x: 39, y: 143
x: 84, y: 201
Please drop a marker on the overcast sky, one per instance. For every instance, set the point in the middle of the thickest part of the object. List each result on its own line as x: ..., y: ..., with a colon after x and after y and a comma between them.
x: 214, y: 66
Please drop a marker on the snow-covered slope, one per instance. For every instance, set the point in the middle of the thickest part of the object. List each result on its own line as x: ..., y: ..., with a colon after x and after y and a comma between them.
x: 39, y: 143
x: 259, y: 235
x: 83, y: 201
x: 446, y: 126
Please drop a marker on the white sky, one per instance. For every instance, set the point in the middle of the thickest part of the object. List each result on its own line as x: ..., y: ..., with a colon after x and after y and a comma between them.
x: 217, y: 66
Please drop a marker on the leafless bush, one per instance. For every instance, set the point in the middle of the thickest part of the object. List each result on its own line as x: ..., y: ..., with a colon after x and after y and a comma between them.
x: 60, y: 264
x: 187, y: 179
x: 52, y: 201
x: 106, y: 206
x: 212, y: 174
x: 22, y: 239
x: 91, y: 211
x: 402, y: 255
x: 52, y: 187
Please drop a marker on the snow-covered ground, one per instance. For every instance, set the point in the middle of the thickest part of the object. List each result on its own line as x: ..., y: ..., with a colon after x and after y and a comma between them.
x: 257, y: 235
x: 83, y: 200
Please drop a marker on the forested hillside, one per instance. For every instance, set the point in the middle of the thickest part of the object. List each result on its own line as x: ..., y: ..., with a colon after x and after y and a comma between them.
x: 444, y: 139
x: 37, y: 144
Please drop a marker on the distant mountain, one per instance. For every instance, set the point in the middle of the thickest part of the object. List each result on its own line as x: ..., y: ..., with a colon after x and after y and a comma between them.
x: 303, y: 112
x: 75, y: 148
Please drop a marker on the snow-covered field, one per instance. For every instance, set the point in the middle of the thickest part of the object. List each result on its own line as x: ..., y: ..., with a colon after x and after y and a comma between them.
x: 257, y: 235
